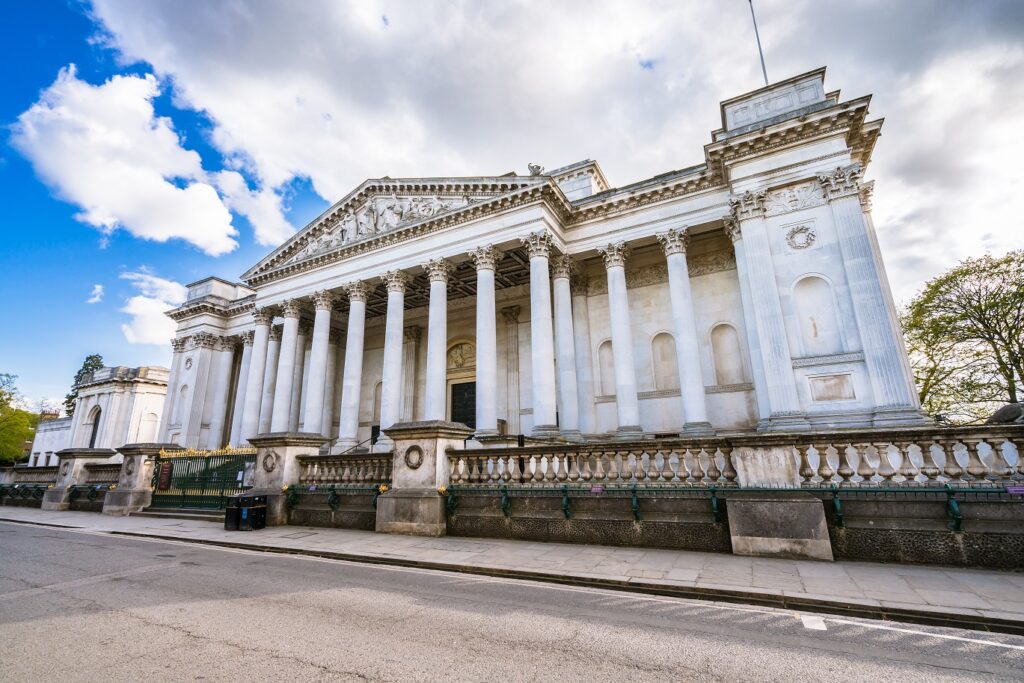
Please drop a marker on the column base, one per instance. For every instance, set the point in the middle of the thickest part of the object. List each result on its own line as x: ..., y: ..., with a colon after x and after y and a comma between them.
x: 342, y: 445
x: 787, y: 422
x: 698, y: 429
x: 629, y: 433
x: 383, y: 445
x: 124, y: 502
x: 572, y: 435
x: 546, y: 432
x: 415, y: 512
x: 899, y: 416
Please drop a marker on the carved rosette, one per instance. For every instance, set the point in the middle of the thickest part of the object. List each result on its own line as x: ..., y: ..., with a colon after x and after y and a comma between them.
x: 178, y: 345
x: 323, y: 300
x: 204, y: 340
x: 562, y: 266
x: 486, y: 258
x: 291, y: 309
x: 732, y: 229
x: 538, y: 243
x: 438, y: 270
x: 867, y: 191
x: 262, y: 316
x: 357, y: 291
x: 747, y: 205
x: 842, y: 182
x: 674, y: 241
x: 275, y: 333
x: 247, y: 337
x: 413, y: 333
x: 614, y: 255
x: 395, y: 281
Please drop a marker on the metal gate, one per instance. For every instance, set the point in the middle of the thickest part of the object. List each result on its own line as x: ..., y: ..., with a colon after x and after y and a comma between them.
x: 201, y: 480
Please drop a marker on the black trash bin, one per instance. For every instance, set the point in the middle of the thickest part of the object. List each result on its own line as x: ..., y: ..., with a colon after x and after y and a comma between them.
x: 252, y: 513
x: 231, y: 514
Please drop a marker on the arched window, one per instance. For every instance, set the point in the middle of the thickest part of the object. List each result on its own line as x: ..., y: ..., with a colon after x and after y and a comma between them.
x: 96, y: 413
x: 728, y: 355
x: 147, y: 428
x: 819, y: 324
x: 607, y: 363
x: 664, y: 362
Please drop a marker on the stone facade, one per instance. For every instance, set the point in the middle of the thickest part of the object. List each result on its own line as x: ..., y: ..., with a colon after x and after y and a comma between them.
x: 744, y: 293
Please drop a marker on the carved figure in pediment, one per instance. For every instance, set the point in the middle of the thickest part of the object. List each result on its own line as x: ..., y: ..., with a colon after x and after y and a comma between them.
x: 367, y: 221
x: 348, y: 227
x: 390, y: 213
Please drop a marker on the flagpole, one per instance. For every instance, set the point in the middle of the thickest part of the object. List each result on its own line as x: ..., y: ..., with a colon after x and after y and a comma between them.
x: 757, y: 35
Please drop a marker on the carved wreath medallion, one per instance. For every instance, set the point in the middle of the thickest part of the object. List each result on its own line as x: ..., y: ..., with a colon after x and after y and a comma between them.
x: 188, y: 363
x: 64, y: 469
x: 129, y: 466
x: 800, y: 237
x: 413, y: 457
x: 270, y: 461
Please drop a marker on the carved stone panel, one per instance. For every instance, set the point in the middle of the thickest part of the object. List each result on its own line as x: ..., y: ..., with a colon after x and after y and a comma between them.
x: 793, y: 198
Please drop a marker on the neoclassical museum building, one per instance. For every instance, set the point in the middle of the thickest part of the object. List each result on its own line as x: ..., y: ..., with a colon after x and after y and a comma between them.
x: 743, y: 293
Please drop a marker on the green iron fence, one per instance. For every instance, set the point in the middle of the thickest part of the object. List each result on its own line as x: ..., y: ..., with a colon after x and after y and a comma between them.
x: 201, y: 480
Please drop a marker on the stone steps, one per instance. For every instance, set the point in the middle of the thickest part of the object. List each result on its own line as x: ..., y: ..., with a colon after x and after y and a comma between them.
x: 183, y: 513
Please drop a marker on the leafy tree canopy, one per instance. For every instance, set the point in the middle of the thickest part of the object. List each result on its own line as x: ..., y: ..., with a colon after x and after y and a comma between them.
x: 93, y: 362
x: 17, y: 425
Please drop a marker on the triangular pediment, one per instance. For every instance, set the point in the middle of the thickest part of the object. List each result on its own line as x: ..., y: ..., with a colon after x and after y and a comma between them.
x: 385, y: 206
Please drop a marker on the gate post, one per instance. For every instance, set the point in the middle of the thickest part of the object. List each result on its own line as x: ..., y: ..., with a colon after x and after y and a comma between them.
x: 71, y: 472
x: 134, y: 490
x: 277, y: 467
x: 420, y: 466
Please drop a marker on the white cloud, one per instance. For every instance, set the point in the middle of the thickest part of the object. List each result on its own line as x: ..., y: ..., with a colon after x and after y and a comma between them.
x: 96, y: 295
x: 149, y: 324
x: 329, y: 91
x: 262, y: 208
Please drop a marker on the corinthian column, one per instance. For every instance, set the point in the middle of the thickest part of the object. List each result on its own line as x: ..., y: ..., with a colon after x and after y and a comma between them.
x: 895, y: 398
x: 691, y: 383
x: 352, y: 378
x: 286, y: 367
x: 434, y: 407
x: 486, y: 259
x: 391, y: 380
x: 542, y: 342
x: 224, y: 358
x: 748, y: 210
x: 565, y: 353
x: 584, y: 356
x: 270, y: 379
x: 323, y: 303
x: 257, y: 368
x: 238, y: 411
x: 626, y: 401
x: 295, y: 405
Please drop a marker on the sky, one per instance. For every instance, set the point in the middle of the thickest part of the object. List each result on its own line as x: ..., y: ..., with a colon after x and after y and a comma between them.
x: 147, y: 145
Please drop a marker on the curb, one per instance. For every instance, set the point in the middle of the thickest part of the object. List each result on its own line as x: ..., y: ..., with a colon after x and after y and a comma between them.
x: 836, y: 608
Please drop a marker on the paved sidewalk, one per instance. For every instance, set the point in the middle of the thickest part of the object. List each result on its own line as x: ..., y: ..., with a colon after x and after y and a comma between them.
x: 971, y: 598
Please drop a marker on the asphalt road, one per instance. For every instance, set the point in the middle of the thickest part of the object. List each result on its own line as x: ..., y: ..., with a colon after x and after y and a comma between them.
x: 77, y: 606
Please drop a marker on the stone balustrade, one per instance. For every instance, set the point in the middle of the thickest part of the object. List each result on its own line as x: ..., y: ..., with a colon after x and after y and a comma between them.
x: 965, y: 456
x: 33, y: 475
x: 369, y: 468
x: 105, y: 473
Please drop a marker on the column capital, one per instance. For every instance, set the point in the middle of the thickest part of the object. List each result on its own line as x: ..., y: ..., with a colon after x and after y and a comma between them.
x: 204, y: 340
x: 732, y: 229
x: 178, y: 344
x: 225, y: 343
x: 842, y: 182
x: 263, y: 316
x: 867, y: 192
x: 413, y: 333
x: 486, y: 258
x: 291, y: 308
x: 511, y: 314
x: 275, y: 333
x: 437, y: 269
x: 562, y: 266
x: 247, y: 337
x: 323, y: 300
x: 395, y: 280
x: 357, y: 291
x: 747, y: 205
x: 614, y: 255
x: 674, y: 241
x: 538, y: 243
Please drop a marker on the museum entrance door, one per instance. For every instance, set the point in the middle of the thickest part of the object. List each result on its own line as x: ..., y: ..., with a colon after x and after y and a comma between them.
x: 463, y: 403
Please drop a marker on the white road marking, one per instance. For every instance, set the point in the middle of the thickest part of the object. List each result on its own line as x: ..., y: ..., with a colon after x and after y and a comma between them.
x: 911, y: 631
x: 813, y: 622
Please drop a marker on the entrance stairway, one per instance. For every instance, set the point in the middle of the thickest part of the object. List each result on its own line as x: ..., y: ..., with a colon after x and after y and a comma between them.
x: 183, y: 513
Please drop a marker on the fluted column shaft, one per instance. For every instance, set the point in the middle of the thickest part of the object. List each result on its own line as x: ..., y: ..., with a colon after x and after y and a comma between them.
x: 298, y: 397
x: 312, y: 420
x: 485, y: 259
x: 254, y: 381
x: 270, y: 380
x: 691, y: 382
x: 565, y: 352
x: 331, y: 376
x: 238, y: 412
x: 626, y: 401
x: 279, y: 421
x: 224, y: 358
x: 391, y: 377
x: 352, y: 379
x: 434, y: 405
x: 542, y: 340
x: 584, y: 360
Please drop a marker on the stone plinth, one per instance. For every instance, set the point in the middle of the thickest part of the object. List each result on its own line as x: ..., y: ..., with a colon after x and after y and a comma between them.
x: 72, y: 472
x: 420, y: 467
x: 134, y: 490
x: 778, y: 524
x: 277, y: 467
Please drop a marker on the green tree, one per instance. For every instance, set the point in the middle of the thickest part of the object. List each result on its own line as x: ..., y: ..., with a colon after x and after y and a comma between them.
x: 17, y: 425
x: 92, y: 363
x: 965, y: 337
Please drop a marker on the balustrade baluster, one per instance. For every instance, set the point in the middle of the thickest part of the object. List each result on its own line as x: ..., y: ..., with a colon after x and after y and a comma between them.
x: 600, y: 467
x: 845, y: 470
x: 975, y: 465
x: 586, y: 474
x: 864, y: 468
x: 637, y: 468
x: 825, y: 470
x: 885, y: 469
x: 653, y: 473
x: 714, y: 474
x: 728, y: 469
x: 804, y: 470
x: 952, y: 468
x: 537, y: 476
x: 1001, y: 467
x: 929, y: 469
x: 515, y: 471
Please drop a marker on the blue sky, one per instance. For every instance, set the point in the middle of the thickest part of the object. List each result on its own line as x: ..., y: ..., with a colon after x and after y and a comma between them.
x: 145, y: 145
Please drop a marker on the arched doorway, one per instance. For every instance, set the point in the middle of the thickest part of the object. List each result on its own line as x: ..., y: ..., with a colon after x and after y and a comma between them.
x: 461, y: 363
